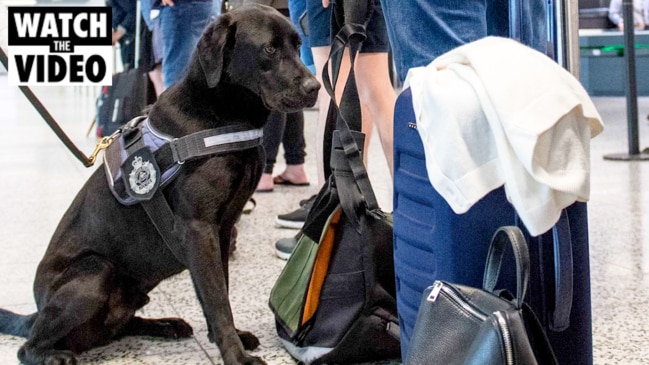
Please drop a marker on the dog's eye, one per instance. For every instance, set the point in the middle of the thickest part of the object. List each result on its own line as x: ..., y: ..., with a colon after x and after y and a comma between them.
x: 270, y: 50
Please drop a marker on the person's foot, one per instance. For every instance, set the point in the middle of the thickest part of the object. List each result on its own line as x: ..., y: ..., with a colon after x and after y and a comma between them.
x: 265, y: 184
x: 284, y: 247
x: 296, y: 218
x: 292, y: 175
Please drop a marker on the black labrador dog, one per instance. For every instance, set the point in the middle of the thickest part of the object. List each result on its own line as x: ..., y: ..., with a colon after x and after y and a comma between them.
x: 105, y: 257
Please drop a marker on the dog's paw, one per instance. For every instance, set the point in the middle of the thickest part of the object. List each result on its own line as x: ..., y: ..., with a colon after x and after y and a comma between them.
x: 253, y: 360
x: 61, y: 358
x: 250, y: 341
x: 176, y: 328
x: 47, y: 357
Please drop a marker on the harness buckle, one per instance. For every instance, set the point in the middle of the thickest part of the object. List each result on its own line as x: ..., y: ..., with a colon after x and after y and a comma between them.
x: 174, y: 152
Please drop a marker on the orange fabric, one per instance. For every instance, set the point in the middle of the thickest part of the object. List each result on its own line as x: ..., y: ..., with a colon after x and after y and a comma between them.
x: 320, y: 268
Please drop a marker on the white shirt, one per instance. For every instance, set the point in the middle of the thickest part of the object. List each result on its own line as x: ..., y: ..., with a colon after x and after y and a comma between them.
x: 496, y: 112
x: 640, y: 11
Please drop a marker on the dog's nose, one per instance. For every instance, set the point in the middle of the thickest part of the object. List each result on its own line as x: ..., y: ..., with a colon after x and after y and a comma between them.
x: 310, y: 85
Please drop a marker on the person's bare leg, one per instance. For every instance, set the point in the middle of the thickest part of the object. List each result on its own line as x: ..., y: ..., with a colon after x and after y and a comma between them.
x: 367, y: 127
x: 377, y: 98
x: 155, y: 76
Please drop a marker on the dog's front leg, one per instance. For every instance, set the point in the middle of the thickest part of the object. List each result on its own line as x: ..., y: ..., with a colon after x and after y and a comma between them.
x: 206, y: 269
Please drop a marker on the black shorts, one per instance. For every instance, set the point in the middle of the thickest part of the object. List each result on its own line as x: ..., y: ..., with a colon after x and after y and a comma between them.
x: 320, y: 27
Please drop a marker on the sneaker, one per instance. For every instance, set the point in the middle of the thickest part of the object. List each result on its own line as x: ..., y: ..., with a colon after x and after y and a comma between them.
x: 296, y: 218
x: 284, y: 247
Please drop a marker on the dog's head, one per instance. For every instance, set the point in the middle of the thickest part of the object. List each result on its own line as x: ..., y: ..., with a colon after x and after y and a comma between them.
x: 256, y: 47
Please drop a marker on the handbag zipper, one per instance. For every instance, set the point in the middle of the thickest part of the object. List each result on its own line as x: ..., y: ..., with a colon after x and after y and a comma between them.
x: 449, y: 292
x: 439, y: 288
x: 507, y: 339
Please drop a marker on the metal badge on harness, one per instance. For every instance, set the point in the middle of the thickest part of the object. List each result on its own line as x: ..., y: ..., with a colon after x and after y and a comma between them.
x: 141, y: 174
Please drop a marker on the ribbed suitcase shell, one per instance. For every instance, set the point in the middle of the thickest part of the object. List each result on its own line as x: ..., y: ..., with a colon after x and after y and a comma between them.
x: 431, y: 243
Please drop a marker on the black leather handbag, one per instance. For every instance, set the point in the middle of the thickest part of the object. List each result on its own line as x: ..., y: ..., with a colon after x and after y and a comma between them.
x: 458, y: 324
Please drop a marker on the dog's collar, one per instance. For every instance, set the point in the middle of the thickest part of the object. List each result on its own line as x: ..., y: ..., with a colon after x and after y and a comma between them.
x: 170, y: 153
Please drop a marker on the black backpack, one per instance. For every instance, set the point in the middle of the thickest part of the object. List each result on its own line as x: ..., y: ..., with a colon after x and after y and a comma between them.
x: 334, y: 302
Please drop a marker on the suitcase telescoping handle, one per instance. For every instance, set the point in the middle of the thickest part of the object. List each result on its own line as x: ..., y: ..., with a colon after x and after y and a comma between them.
x: 559, y: 318
x: 561, y: 26
x: 563, y: 275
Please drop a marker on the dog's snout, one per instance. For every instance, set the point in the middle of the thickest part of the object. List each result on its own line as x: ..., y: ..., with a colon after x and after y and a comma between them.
x: 310, y: 85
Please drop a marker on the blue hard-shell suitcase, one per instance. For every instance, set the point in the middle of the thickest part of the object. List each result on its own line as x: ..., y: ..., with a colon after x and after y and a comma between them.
x: 431, y: 243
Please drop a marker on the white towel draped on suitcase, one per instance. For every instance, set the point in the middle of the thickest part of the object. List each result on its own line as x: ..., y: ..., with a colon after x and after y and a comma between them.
x: 496, y: 112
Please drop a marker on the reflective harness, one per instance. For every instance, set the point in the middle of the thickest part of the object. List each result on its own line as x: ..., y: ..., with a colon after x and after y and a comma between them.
x: 140, y: 161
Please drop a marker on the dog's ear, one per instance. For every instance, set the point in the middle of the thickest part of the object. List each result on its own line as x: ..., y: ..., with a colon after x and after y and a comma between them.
x: 211, y: 49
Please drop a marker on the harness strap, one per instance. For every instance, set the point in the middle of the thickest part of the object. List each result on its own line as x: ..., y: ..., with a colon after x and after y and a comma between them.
x: 157, y: 208
x: 166, y: 224
x: 213, y: 141
x: 207, y: 142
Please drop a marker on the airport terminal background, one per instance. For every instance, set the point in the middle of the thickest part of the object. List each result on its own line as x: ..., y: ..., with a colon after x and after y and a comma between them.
x: 40, y: 177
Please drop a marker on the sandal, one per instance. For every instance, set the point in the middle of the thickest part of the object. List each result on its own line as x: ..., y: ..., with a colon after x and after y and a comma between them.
x: 279, y: 180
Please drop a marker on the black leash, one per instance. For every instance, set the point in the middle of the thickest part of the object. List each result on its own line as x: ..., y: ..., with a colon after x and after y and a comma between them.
x: 40, y: 108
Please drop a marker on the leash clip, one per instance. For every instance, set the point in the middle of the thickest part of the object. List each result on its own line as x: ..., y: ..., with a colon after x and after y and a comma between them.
x: 103, y: 143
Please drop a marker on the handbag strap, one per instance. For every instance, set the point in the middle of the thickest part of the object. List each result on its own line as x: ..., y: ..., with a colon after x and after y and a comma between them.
x: 563, y: 274
x: 349, y: 35
x: 513, y: 236
x: 538, y: 338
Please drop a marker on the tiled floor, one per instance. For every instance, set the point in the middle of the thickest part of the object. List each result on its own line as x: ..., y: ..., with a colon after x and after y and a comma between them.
x: 40, y: 177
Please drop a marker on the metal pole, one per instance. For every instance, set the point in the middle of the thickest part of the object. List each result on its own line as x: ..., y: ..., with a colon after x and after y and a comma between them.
x: 631, y: 89
x: 566, y: 38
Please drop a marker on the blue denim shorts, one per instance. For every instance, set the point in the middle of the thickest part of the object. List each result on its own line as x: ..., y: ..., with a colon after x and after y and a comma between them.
x: 320, y: 27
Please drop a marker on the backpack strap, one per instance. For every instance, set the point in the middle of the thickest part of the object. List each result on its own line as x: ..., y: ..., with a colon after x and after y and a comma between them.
x: 155, y: 205
x: 353, y: 182
x: 344, y: 13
